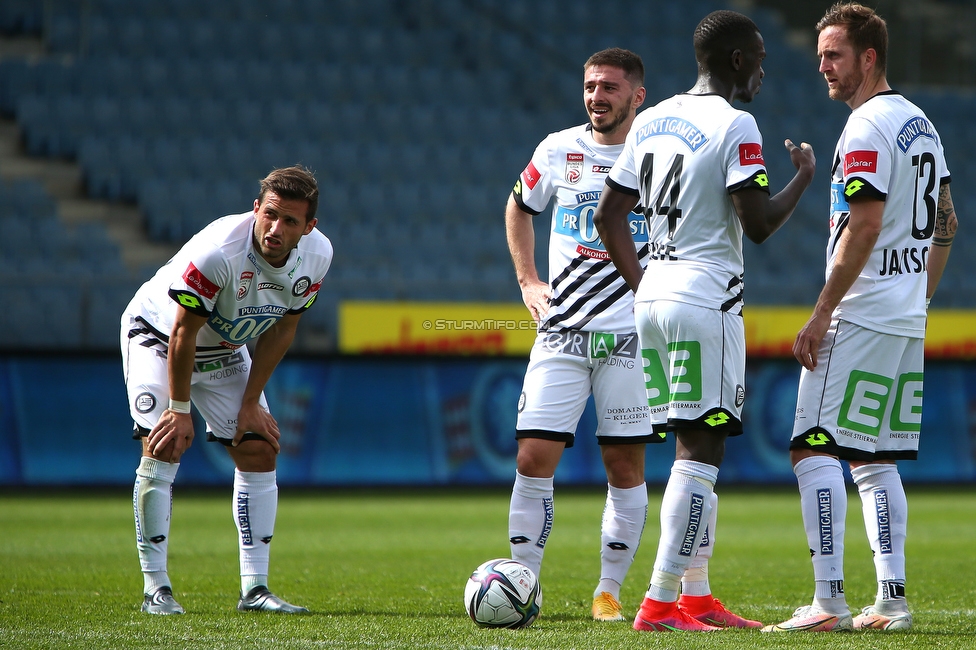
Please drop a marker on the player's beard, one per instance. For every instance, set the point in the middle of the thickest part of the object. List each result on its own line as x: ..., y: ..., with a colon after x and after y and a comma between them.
x: 847, y: 88
x: 614, y: 124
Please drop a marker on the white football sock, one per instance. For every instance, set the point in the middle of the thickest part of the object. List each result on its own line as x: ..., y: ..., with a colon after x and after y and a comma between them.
x: 255, y: 508
x: 530, y: 517
x: 823, y: 504
x: 623, y: 523
x: 885, y: 509
x: 695, y: 580
x: 152, y: 505
x: 685, y: 512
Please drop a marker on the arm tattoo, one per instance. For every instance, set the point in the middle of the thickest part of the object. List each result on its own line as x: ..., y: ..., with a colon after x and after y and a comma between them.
x: 945, y: 219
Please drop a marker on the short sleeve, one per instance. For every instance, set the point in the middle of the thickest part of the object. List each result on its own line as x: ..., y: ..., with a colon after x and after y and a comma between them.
x: 534, y: 187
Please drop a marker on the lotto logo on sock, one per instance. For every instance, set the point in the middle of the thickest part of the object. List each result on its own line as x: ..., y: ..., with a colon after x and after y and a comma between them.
x: 884, y: 521
x: 244, y: 518
x: 694, y: 523
x: 826, y: 516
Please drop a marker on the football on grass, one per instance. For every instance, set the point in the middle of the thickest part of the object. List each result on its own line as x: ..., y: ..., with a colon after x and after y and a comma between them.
x: 503, y: 593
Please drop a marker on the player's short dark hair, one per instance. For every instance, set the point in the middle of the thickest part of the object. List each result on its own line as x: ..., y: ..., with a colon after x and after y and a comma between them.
x: 719, y: 34
x: 293, y: 183
x: 617, y: 57
x: 865, y: 29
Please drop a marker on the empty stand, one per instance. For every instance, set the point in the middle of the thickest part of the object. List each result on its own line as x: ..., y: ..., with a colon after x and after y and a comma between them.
x: 416, y: 117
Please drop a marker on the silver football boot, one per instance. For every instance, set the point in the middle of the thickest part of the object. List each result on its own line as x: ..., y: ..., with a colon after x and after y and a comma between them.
x: 260, y: 599
x: 161, y: 602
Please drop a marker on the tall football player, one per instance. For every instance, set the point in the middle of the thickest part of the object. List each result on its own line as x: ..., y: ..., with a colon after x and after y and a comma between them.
x: 696, y: 166
x: 892, y: 223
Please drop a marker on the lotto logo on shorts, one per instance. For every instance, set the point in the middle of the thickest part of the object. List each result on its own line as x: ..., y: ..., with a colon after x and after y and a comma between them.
x: 716, y: 419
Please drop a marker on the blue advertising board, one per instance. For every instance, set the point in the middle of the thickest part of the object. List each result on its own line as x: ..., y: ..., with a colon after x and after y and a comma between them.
x: 391, y: 421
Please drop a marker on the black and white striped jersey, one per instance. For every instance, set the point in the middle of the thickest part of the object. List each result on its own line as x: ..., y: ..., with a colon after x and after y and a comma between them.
x: 588, y: 293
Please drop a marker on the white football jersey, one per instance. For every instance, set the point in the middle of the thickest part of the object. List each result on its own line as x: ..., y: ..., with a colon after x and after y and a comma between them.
x: 588, y: 292
x: 683, y: 157
x: 891, y: 152
x: 219, y: 274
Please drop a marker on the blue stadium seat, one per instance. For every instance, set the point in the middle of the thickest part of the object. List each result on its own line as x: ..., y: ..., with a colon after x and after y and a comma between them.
x: 104, y: 305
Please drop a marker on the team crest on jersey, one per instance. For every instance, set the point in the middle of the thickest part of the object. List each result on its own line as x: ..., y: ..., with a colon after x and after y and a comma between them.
x: 574, y: 168
x: 245, y: 285
x: 301, y: 286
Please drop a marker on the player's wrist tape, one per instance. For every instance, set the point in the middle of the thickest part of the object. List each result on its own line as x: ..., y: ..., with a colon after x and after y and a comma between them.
x: 177, y: 406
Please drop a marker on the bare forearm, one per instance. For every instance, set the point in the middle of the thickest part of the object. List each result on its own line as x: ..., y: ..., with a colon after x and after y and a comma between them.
x: 180, y: 360
x: 521, y: 243
x: 855, y: 250
x: 782, y: 205
x: 945, y: 232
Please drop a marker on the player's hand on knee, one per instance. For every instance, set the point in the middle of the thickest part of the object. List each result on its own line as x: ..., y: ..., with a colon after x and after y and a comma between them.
x: 256, y: 419
x: 172, y: 435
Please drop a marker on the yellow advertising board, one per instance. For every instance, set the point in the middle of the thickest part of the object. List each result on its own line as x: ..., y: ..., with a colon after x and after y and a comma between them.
x: 435, y: 328
x: 459, y: 328
x: 770, y: 331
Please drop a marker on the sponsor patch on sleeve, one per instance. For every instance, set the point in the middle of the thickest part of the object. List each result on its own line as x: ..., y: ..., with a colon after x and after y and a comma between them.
x: 196, y: 279
x: 531, y: 176
x: 750, y: 153
x: 860, y: 161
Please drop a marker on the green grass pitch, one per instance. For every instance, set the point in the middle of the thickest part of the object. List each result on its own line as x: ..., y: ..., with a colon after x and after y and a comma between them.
x: 386, y: 569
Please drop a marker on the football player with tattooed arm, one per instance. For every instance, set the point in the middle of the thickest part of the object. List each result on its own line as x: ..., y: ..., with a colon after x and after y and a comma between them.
x: 696, y: 165
x: 859, y: 400
x: 587, y: 342
x: 243, y: 278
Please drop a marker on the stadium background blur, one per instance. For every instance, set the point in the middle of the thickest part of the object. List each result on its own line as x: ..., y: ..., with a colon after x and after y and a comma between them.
x: 126, y: 125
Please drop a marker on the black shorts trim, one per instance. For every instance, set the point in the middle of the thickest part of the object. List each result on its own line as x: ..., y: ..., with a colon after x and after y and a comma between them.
x: 905, y: 454
x: 542, y: 434
x: 139, y: 432
x: 709, y: 421
x: 229, y: 442
x: 819, y: 439
x: 652, y: 438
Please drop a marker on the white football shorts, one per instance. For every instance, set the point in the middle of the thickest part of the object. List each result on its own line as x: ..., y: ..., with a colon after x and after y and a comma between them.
x: 564, y: 368
x: 694, y: 362
x: 863, y: 401
x: 216, y: 387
